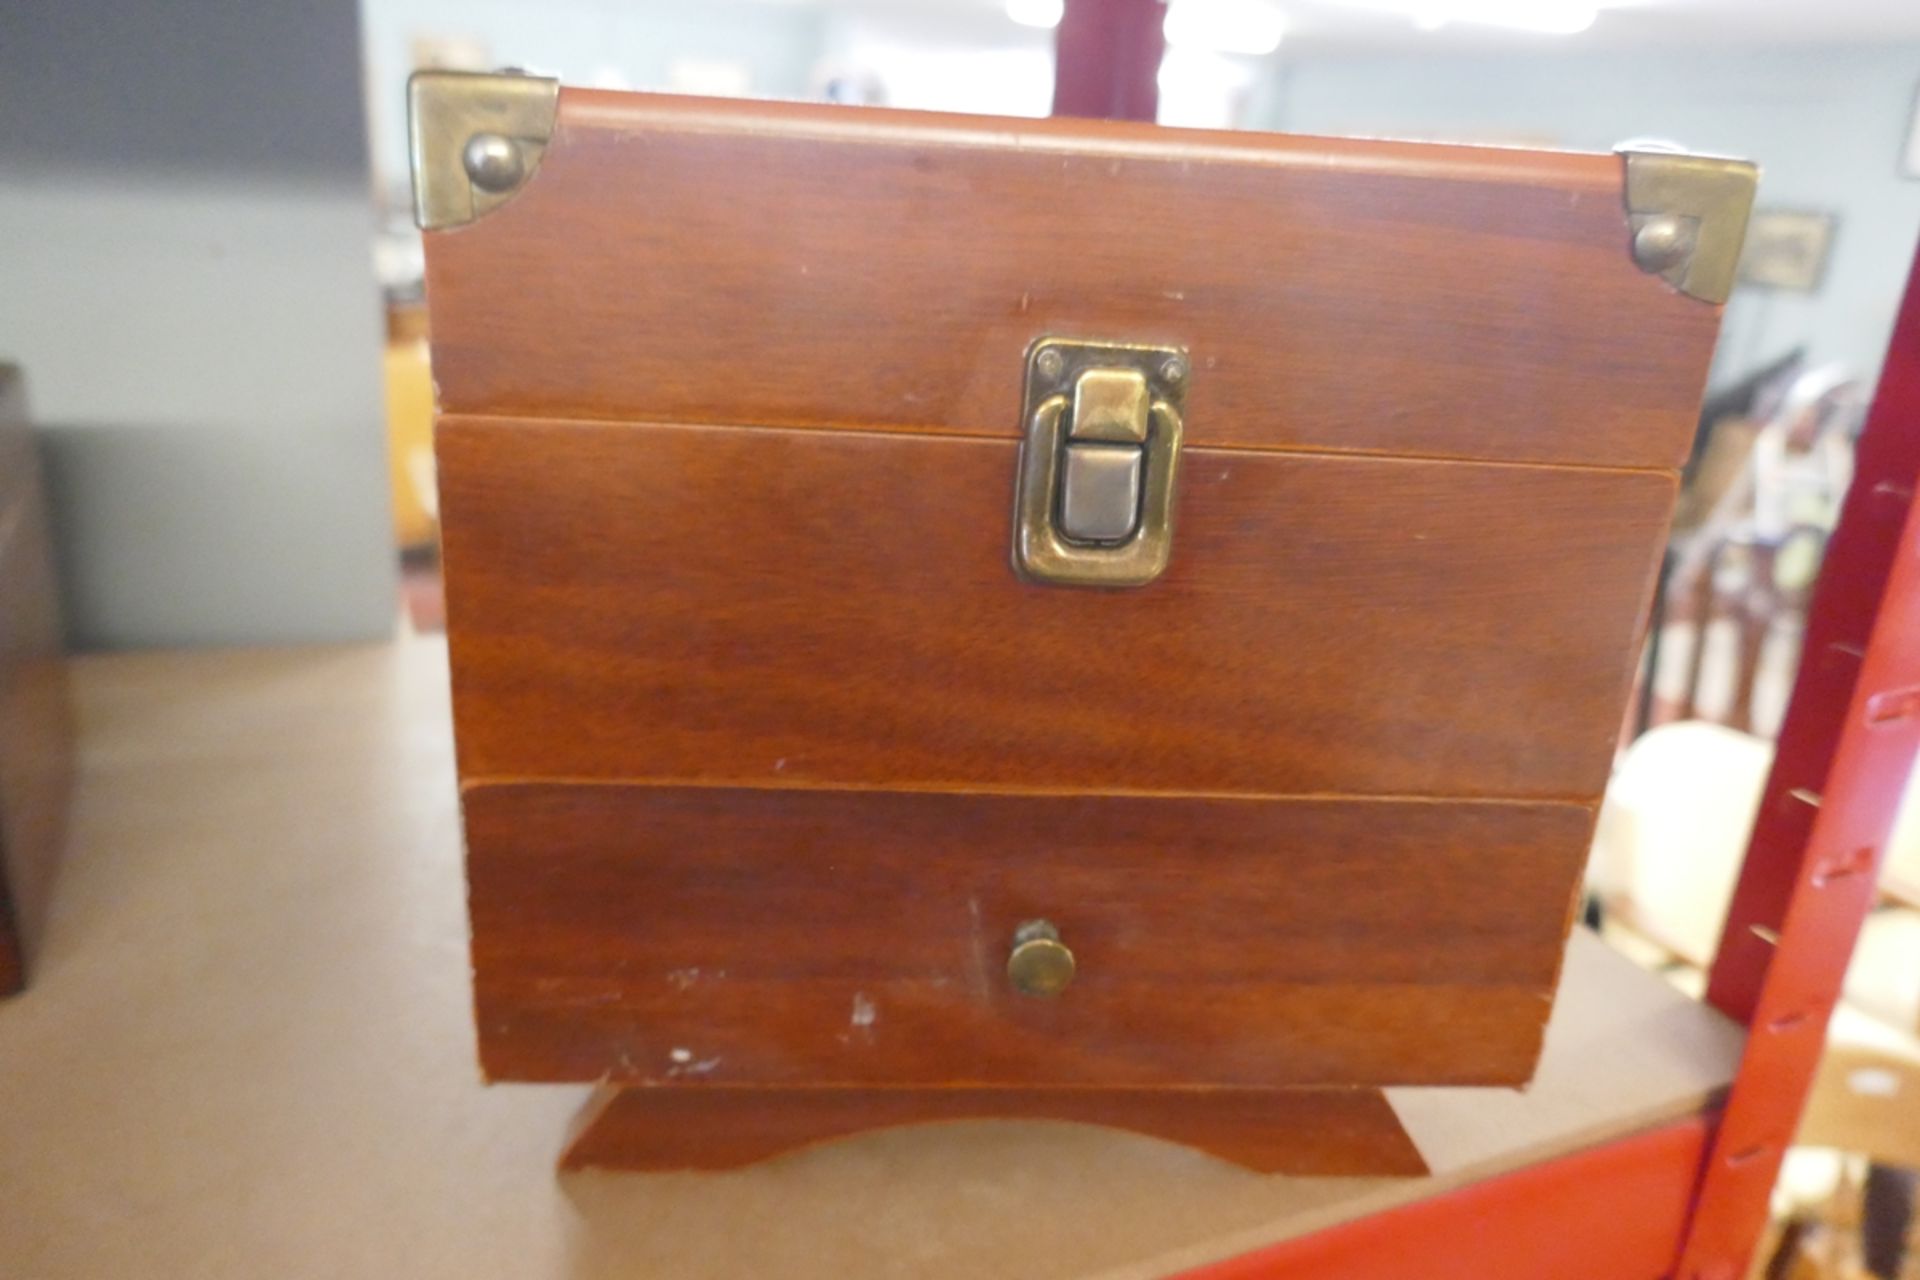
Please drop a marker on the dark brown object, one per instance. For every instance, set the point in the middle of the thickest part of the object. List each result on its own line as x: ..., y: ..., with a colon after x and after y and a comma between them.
x: 1303, y: 1132
x: 767, y: 752
x: 36, y: 725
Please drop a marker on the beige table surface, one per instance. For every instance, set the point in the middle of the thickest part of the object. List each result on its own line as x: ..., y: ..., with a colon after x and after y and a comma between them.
x: 248, y: 1054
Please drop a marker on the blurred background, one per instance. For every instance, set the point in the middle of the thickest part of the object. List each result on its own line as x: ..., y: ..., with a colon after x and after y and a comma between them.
x: 209, y: 273
x: 212, y: 277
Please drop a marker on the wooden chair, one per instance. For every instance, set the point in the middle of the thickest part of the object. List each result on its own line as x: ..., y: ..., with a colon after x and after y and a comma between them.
x: 1749, y: 533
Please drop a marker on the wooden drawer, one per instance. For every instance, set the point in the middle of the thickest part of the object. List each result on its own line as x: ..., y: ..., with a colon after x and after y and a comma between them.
x: 763, y: 937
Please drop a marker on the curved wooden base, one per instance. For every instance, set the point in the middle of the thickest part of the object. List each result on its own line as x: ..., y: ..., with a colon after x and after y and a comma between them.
x: 1314, y: 1132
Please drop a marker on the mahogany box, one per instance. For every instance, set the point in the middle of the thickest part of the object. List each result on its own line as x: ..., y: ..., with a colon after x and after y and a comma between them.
x: 954, y: 616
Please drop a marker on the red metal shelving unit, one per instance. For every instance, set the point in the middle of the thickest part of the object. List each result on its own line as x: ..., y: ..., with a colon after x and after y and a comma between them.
x: 1688, y: 1200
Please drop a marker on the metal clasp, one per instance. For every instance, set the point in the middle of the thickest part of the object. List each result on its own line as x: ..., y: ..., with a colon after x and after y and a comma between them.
x: 1094, y: 504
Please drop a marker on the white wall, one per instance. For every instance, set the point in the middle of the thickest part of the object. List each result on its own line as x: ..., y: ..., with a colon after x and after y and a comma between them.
x: 184, y: 227
x: 1826, y: 124
x: 973, y: 60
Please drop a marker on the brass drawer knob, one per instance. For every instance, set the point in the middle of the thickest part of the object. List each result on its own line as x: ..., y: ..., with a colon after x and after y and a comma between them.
x: 1040, y: 964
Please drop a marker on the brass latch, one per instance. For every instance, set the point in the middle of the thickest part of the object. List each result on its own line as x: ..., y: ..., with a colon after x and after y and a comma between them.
x: 1095, y: 499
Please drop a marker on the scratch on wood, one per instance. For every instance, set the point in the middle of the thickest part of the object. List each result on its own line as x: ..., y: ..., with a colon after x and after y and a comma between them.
x: 684, y: 1064
x: 982, y: 985
x: 860, y: 1025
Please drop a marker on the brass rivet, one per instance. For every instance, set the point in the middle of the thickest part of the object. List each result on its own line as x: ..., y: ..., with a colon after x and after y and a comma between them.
x: 1174, y: 370
x: 1049, y: 363
x: 1661, y: 242
x: 493, y: 162
x: 1040, y: 964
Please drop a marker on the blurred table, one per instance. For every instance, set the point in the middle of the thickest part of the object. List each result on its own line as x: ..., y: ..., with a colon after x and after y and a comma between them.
x: 249, y: 1050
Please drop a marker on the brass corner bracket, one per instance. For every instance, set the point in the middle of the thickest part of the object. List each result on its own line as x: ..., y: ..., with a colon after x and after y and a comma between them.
x: 1688, y: 218
x: 474, y: 140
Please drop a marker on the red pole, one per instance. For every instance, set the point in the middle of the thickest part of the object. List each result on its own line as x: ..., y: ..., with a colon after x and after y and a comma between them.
x: 1846, y: 748
x: 1846, y: 600
x: 1106, y: 59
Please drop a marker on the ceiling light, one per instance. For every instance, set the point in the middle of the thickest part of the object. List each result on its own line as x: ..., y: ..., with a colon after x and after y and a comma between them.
x: 1225, y: 26
x: 1202, y: 90
x: 1548, y: 17
x: 1036, y: 13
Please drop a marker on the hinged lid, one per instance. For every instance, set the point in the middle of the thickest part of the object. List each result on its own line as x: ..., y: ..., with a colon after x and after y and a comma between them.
x: 774, y: 264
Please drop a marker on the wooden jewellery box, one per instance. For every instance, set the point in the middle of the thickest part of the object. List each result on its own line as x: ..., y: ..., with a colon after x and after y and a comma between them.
x: 965, y: 617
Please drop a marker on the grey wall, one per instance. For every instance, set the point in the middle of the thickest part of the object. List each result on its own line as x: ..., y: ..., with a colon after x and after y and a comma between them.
x: 185, y: 274
x: 1826, y: 124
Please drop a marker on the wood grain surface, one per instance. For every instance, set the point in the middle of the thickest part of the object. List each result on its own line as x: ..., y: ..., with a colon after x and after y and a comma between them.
x: 783, y: 264
x: 766, y: 749
x: 727, y: 937
x: 1308, y: 1133
x: 836, y: 608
